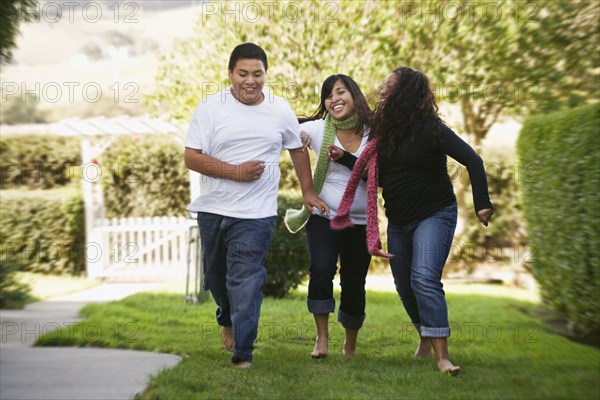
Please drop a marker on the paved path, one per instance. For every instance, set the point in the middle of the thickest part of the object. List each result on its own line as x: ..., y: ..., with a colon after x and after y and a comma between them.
x: 69, y: 372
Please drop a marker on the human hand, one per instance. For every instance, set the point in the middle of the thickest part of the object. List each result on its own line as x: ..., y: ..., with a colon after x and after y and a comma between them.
x: 315, y: 205
x: 250, y: 170
x: 484, y: 215
x: 334, y: 153
x: 306, y: 141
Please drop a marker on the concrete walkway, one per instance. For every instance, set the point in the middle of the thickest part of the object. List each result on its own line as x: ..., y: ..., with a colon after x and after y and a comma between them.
x: 69, y: 372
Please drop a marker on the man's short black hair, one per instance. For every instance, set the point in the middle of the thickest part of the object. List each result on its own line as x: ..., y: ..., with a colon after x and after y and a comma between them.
x: 248, y: 51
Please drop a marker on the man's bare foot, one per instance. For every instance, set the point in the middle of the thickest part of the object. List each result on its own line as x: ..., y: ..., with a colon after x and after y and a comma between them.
x: 349, y: 351
x: 321, y: 348
x: 424, y: 348
x: 447, y: 367
x: 350, y: 343
x: 227, y: 338
x: 242, y: 364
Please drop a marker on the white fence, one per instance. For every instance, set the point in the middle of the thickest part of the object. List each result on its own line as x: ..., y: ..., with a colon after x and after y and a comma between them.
x: 145, y: 248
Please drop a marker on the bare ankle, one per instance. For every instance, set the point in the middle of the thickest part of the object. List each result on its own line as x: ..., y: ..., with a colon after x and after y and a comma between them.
x: 227, y: 338
x: 424, y: 348
x: 321, y: 347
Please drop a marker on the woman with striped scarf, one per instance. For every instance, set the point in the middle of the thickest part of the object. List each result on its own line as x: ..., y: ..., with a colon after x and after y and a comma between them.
x: 339, y: 133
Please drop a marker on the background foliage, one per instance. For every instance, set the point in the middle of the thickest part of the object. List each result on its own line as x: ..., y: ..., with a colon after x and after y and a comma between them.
x: 36, y: 163
x: 43, y: 230
x: 562, y: 210
x: 13, y: 13
x: 13, y: 293
x: 145, y: 177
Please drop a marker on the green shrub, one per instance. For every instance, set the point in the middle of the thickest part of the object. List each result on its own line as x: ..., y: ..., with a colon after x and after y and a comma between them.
x: 44, y: 230
x: 287, y: 263
x: 289, y: 180
x: 145, y: 177
x: 13, y: 294
x: 38, y: 162
x: 560, y: 196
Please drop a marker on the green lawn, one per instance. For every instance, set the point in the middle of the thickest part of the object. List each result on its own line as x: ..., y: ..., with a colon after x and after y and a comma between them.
x: 504, y: 352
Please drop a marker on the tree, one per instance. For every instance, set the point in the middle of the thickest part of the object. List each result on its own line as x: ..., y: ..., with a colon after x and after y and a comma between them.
x: 305, y: 42
x: 501, y: 57
x: 13, y: 13
x: 492, y: 58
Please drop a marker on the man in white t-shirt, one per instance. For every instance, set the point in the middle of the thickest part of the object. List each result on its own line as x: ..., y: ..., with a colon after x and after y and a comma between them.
x: 234, y: 141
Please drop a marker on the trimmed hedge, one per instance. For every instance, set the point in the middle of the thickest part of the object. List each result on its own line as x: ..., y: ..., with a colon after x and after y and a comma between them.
x: 38, y: 162
x: 287, y: 262
x: 561, y: 199
x: 145, y: 177
x: 43, y: 230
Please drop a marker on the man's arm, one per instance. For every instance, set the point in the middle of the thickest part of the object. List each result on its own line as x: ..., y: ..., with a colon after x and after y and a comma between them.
x: 301, y: 163
x: 210, y: 166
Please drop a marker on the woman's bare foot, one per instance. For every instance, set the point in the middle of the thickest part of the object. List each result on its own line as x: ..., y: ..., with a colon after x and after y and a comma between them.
x: 227, y: 338
x: 447, y: 367
x: 440, y: 346
x: 350, y: 343
x: 322, y: 340
x: 321, y: 347
x: 424, y: 348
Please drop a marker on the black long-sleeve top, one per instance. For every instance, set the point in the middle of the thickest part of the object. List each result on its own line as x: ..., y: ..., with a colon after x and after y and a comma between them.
x: 415, y: 180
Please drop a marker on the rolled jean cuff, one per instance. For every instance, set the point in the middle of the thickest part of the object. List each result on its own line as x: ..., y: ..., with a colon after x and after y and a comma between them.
x: 435, y: 332
x: 350, y: 321
x: 321, y: 306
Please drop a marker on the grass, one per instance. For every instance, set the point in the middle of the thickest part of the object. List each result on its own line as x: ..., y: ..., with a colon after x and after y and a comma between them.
x: 504, y: 352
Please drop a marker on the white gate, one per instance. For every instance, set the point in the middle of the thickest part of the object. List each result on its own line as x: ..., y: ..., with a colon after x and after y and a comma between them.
x: 143, y: 248
x: 130, y: 248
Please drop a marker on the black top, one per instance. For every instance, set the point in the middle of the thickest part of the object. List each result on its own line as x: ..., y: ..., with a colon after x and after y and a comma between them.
x: 347, y: 159
x: 415, y: 180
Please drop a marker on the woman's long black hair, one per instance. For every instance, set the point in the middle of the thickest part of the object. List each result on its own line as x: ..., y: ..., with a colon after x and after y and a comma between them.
x: 361, y: 107
x: 410, y: 105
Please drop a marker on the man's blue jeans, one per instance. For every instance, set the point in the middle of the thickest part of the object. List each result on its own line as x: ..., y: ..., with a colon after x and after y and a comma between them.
x: 421, y: 249
x: 234, y: 251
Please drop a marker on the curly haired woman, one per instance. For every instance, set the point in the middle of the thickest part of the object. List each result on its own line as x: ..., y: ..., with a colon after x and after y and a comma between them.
x: 410, y: 149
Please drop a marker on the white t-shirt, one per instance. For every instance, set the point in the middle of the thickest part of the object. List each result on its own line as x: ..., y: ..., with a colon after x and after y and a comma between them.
x: 338, y: 175
x: 234, y: 133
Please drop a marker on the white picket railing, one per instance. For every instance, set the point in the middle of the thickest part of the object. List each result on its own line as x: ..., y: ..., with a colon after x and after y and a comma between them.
x: 136, y: 248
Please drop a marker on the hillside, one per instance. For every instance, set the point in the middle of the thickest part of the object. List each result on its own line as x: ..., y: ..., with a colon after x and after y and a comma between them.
x: 65, y: 59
